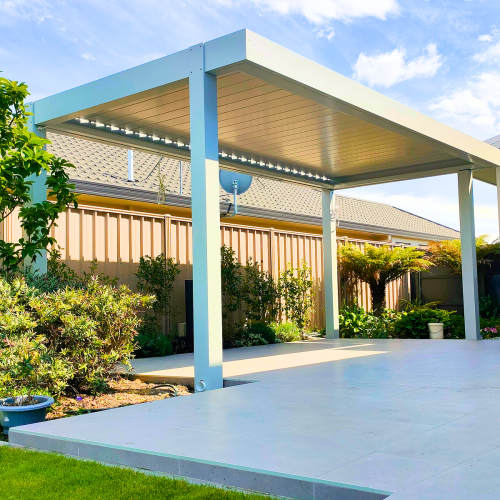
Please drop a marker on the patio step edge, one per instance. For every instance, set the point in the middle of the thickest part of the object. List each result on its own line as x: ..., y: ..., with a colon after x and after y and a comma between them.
x: 258, y: 480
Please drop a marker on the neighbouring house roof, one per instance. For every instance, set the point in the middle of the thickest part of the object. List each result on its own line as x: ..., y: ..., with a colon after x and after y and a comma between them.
x: 102, y: 170
x: 494, y: 141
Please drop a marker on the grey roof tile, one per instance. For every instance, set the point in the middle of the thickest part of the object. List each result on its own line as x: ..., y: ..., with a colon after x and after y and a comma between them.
x: 107, y: 164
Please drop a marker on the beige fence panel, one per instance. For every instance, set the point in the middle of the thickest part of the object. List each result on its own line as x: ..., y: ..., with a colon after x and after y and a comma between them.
x: 118, y: 238
x: 180, y: 238
x: 115, y: 239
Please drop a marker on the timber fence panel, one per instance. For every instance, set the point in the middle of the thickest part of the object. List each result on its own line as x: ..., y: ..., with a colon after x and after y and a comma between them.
x: 118, y: 238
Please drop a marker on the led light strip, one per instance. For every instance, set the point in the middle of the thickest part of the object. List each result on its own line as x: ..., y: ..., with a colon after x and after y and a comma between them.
x: 242, y: 160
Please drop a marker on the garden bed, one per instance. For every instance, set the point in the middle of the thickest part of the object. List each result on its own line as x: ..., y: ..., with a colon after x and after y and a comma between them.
x: 121, y: 392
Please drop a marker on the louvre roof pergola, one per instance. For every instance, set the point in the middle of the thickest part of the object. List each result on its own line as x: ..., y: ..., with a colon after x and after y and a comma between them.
x: 250, y: 105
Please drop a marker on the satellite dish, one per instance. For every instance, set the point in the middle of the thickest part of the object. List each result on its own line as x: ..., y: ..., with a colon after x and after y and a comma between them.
x: 231, y: 181
x: 234, y: 183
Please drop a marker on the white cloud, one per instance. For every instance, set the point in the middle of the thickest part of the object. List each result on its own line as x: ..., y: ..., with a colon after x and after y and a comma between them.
x: 326, y: 32
x: 492, y: 54
x: 485, y: 38
x: 33, y: 10
x: 321, y: 12
x: 474, y: 108
x: 393, y: 67
x: 88, y: 56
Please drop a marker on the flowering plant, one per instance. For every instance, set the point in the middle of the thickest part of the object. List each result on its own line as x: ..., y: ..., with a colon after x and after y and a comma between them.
x: 489, y: 332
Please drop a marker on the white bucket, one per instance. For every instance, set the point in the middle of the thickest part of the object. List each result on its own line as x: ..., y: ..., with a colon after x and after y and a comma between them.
x: 436, y: 330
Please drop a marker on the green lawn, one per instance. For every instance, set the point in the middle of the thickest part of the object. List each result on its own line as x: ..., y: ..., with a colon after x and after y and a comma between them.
x: 30, y: 475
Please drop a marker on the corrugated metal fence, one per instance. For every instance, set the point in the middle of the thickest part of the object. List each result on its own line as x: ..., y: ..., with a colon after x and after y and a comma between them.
x: 118, y: 238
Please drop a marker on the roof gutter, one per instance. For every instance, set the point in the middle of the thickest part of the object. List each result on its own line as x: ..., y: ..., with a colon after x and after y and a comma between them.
x: 176, y: 200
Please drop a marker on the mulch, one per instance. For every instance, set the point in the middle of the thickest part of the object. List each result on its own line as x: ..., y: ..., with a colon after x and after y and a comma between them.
x: 121, y: 392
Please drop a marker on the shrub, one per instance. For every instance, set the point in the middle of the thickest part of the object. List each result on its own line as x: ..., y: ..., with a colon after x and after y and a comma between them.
x: 260, y: 294
x: 414, y: 323
x: 232, y: 287
x: 488, y: 307
x: 296, y: 289
x: 26, y: 367
x: 355, y: 322
x: 156, y: 276
x: 60, y: 276
x: 150, y: 342
x: 263, y: 330
x: 249, y: 335
x: 286, y: 331
x: 71, y: 339
x: 457, y: 327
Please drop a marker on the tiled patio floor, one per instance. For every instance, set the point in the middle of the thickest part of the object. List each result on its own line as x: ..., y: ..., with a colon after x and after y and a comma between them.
x: 344, y: 419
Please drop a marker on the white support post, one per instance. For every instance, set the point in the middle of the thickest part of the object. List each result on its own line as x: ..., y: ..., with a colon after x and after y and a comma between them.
x: 38, y: 194
x: 330, y: 278
x: 498, y: 197
x: 207, y: 298
x: 469, y: 264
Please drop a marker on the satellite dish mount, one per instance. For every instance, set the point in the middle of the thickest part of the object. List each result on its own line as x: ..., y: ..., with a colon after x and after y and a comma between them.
x: 234, y: 183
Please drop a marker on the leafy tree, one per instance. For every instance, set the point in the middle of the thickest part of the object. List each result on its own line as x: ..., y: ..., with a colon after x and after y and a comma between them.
x: 23, y: 158
x: 379, y: 266
x: 296, y: 289
x: 448, y: 253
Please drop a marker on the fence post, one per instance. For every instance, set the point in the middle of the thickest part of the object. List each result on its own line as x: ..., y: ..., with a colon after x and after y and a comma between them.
x: 168, y: 227
x: 272, y: 250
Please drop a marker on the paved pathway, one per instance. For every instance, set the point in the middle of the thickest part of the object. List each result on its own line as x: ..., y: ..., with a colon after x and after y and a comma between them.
x: 347, y: 419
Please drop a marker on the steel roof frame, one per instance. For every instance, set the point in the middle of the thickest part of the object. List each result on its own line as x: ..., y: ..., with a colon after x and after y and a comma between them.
x: 256, y: 56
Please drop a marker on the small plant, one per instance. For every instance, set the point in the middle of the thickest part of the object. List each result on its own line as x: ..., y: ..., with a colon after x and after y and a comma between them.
x: 286, y: 331
x: 296, y: 289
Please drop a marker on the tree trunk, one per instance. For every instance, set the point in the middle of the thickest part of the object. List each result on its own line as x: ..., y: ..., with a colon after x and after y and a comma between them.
x: 378, y: 298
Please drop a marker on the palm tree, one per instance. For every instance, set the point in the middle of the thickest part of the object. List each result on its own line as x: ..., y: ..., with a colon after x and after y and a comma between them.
x: 379, y: 266
x: 448, y: 253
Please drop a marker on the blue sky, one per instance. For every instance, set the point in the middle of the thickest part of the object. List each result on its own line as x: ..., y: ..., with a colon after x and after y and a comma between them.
x: 439, y: 57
